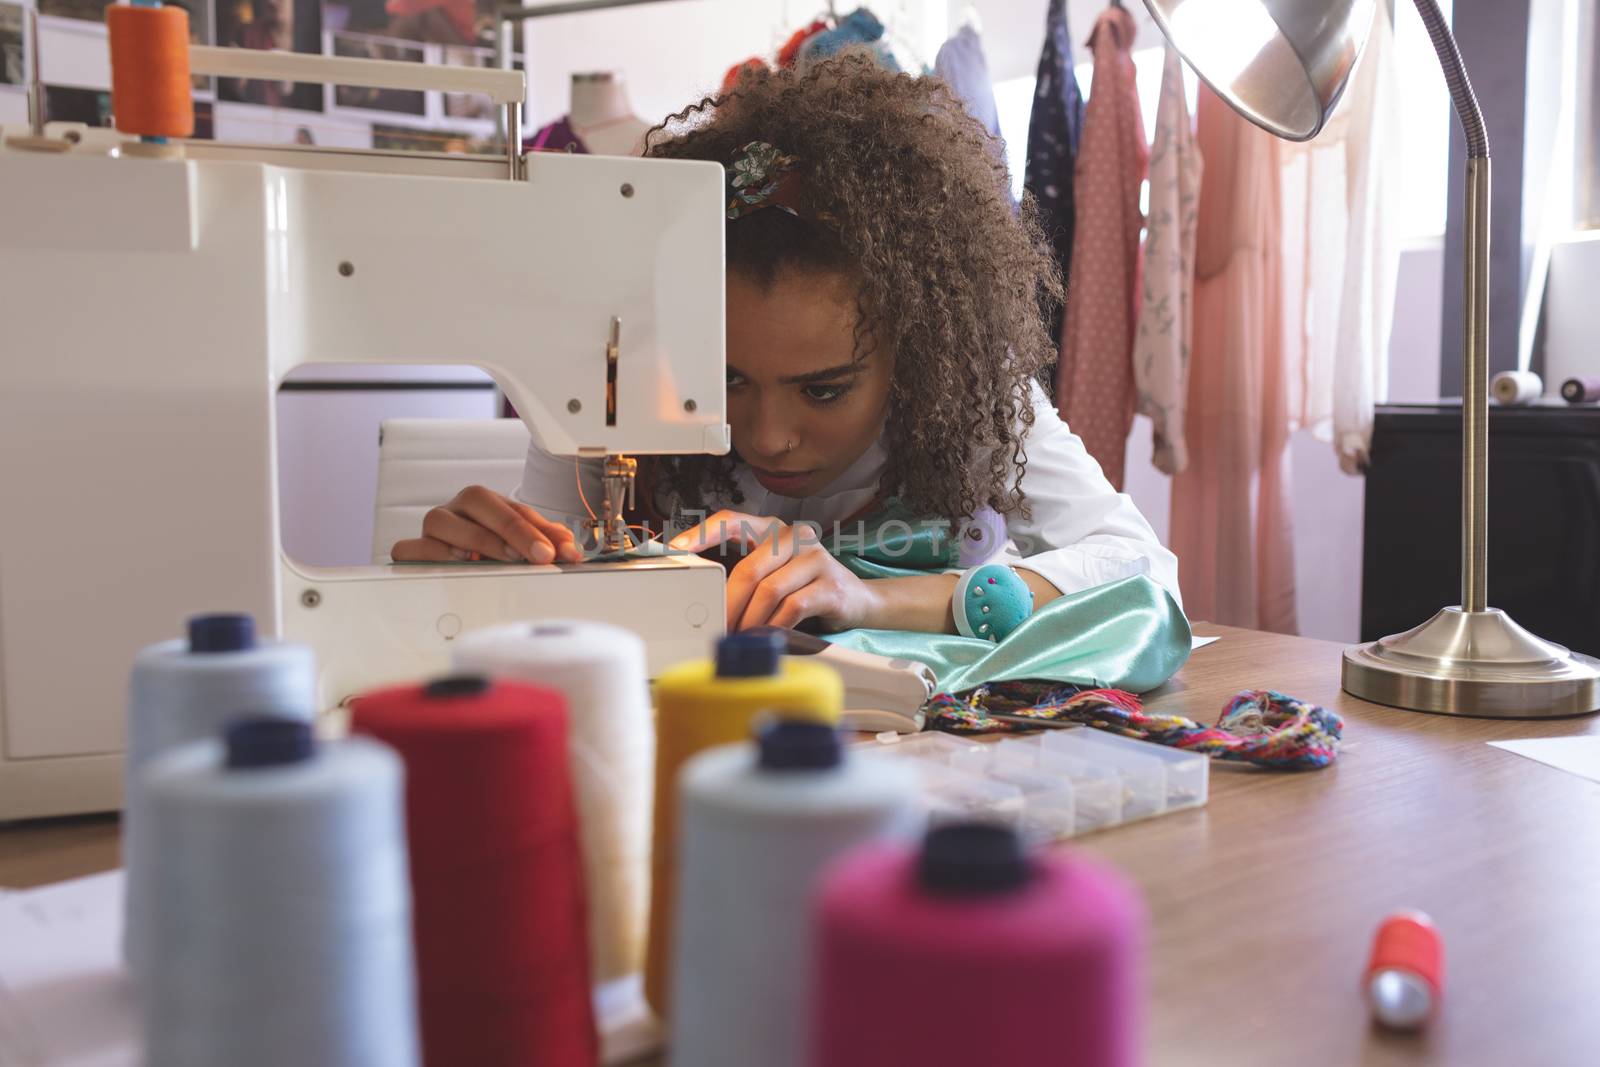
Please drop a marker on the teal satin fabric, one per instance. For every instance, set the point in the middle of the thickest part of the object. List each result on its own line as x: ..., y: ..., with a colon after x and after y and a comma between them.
x: 1127, y: 635
x: 891, y: 544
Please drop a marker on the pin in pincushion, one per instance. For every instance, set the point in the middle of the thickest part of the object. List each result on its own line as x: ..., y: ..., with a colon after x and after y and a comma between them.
x: 991, y: 601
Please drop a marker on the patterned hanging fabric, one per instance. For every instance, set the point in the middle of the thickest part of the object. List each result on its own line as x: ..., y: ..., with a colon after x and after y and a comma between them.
x: 1094, y: 381
x: 1053, y: 131
x: 1166, y: 310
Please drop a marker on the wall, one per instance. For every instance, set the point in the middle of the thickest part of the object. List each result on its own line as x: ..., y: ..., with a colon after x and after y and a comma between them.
x: 673, y: 53
x: 328, y: 447
x: 1570, y: 324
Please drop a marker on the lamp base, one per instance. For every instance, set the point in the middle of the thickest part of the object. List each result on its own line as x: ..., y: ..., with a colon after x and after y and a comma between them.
x: 1478, y: 664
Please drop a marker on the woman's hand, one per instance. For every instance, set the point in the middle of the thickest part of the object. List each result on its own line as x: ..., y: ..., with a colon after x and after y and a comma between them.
x: 785, y: 577
x: 491, y: 525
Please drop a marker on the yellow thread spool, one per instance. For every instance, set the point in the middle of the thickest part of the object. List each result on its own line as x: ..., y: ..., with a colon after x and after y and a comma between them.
x: 696, y: 709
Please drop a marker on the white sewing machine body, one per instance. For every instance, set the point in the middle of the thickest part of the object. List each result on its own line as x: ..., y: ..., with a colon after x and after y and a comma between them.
x: 137, y: 437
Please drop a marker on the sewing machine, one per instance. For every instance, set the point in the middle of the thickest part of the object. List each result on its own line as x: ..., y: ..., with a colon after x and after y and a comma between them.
x: 153, y: 306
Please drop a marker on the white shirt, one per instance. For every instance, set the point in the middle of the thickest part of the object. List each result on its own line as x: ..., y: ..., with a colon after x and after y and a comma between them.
x: 1081, y: 532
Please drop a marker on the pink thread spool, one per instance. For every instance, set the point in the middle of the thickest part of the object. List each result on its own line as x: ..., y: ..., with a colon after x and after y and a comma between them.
x: 968, y: 951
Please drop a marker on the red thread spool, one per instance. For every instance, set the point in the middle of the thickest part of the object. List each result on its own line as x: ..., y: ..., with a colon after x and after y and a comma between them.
x: 1405, y: 977
x: 496, y: 878
x: 150, y: 92
x: 1039, y: 956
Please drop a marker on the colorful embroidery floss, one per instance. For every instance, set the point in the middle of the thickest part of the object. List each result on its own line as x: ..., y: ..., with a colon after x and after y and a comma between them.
x: 1261, y: 727
x: 1038, y: 956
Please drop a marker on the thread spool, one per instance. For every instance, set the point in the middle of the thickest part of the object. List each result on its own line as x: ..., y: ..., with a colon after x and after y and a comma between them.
x: 759, y: 823
x: 280, y: 915
x: 150, y: 87
x: 1405, y: 973
x: 189, y: 689
x: 1516, y: 387
x: 502, y: 952
x: 1040, y: 956
x: 1581, y: 390
x: 700, y: 705
x: 600, y: 671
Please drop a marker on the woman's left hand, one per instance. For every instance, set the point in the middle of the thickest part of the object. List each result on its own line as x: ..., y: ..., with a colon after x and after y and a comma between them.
x: 786, y: 575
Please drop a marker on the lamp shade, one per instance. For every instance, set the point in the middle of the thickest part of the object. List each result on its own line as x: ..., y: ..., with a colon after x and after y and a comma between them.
x: 1282, y: 64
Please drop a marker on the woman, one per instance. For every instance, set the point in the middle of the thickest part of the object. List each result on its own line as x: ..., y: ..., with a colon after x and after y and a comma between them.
x: 884, y: 335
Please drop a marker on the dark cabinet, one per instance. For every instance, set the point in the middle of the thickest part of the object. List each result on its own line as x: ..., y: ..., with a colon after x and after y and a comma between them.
x: 1544, y: 519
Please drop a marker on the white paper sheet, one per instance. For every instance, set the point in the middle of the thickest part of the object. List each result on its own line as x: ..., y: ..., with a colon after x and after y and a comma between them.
x: 1575, y: 755
x: 1197, y: 643
x: 64, y: 998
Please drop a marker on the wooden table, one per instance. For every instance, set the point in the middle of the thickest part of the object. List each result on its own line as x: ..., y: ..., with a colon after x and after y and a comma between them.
x: 1263, y: 903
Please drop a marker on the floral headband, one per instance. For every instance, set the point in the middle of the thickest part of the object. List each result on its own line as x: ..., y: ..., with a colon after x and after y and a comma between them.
x: 761, y: 176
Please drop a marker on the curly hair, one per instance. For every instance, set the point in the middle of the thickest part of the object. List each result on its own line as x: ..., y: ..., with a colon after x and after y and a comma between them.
x: 908, y: 196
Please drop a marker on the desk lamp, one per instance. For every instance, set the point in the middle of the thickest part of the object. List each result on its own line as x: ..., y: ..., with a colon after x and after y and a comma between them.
x: 1283, y: 64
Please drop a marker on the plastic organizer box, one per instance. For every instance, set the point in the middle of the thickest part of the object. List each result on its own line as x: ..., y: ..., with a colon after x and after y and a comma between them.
x: 1051, y: 785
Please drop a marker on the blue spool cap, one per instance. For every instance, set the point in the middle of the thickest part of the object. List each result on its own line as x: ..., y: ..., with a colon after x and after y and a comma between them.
x: 268, y: 741
x: 222, y: 632
x: 797, y: 745
x: 456, y: 685
x: 972, y: 858
x: 749, y: 655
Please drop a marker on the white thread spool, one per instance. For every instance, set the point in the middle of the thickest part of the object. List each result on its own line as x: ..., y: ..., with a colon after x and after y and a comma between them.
x: 188, y: 689
x: 281, y: 913
x: 1516, y: 387
x: 600, y: 669
x: 759, y: 822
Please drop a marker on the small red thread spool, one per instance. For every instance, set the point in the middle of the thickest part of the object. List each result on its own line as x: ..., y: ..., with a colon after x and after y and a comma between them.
x: 496, y: 877
x: 1405, y: 977
x: 150, y: 88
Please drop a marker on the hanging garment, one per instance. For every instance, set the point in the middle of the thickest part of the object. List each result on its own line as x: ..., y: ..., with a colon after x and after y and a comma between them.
x: 790, y: 52
x: 1094, y: 380
x: 1230, y: 510
x: 1054, y: 128
x: 731, y: 78
x: 961, y: 64
x: 1166, y: 308
x: 860, y: 27
x: 1342, y: 255
x: 558, y: 136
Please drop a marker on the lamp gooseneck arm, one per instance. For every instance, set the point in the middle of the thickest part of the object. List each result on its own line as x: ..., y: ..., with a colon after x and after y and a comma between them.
x: 1475, y: 358
x: 1455, y: 79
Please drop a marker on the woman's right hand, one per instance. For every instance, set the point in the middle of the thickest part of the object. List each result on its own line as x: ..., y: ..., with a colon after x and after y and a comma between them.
x: 492, y: 525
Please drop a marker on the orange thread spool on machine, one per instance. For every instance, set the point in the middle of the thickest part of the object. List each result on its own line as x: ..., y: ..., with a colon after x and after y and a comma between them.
x: 150, y: 93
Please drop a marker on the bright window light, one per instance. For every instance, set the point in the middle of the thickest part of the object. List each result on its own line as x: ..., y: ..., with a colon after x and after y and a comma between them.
x: 1223, y: 36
